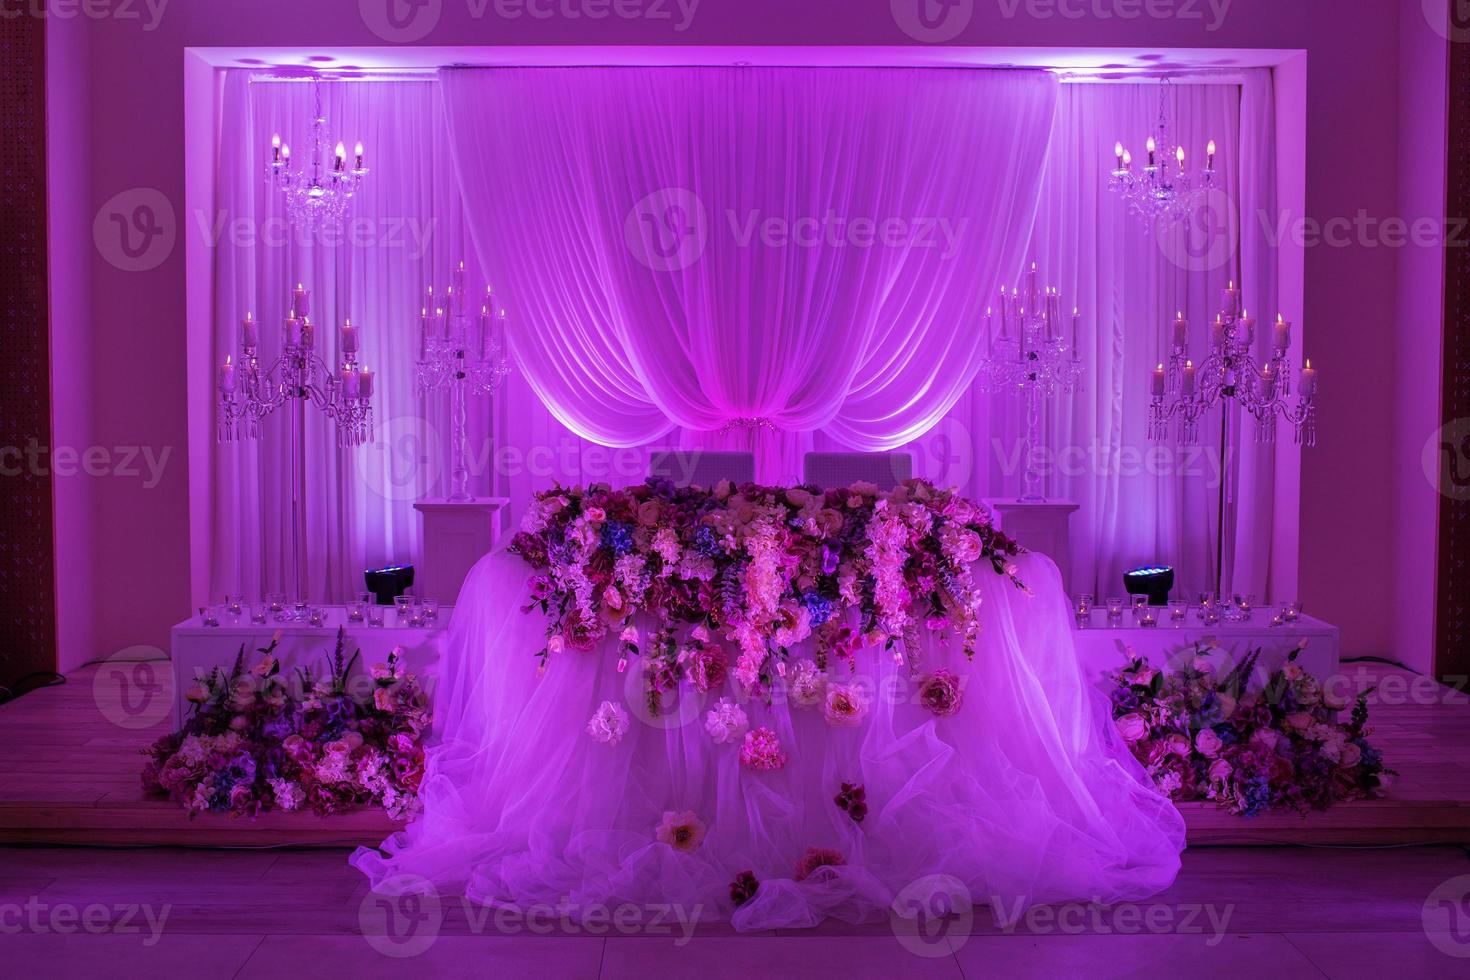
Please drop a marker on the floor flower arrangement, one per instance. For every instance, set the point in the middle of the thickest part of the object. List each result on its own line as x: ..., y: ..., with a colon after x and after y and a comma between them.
x: 760, y: 569
x: 1206, y: 735
x: 259, y: 740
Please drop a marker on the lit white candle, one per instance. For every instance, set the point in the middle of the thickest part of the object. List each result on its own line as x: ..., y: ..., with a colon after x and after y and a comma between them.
x: 989, y: 332
x: 1210, y: 152
x: 1181, y: 331
x: 1217, y: 332
x: 300, y: 301
x: 349, y: 381
x: 364, y: 384
x: 1076, y: 322
x: 276, y: 147
x: 1248, y: 323
x: 1118, y: 152
x: 349, y: 337
x: 459, y: 277
x: 1152, y: 148
x: 1158, y: 381
x: 423, y: 334
x: 1031, y: 287
x: 249, y: 333
x: 1179, y: 155
x: 293, y: 331
x: 1188, y: 379
x: 227, y: 375
x: 1127, y: 161
x: 1281, y: 334
x: 1268, y: 383
x: 358, y: 151
x: 1230, y: 299
x: 1309, y: 380
x: 486, y: 333
x: 340, y: 155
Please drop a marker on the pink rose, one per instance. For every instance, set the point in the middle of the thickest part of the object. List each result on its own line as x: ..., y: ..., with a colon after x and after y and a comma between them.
x: 1208, y: 743
x: 1132, y: 727
x: 1177, y: 745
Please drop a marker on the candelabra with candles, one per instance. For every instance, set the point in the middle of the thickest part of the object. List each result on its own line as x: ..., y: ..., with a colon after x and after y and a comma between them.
x: 1231, y: 375
x: 1030, y: 355
x: 298, y: 376
x: 454, y: 357
x: 1231, y: 371
x: 1161, y: 193
x: 316, y: 195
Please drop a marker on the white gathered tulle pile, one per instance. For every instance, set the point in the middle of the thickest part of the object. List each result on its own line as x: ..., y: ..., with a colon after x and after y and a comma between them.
x: 1026, y: 796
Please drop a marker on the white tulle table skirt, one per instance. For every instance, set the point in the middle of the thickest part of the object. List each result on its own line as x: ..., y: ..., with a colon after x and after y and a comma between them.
x: 1025, y: 796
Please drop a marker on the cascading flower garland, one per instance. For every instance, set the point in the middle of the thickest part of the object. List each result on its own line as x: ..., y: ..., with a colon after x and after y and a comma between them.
x: 260, y: 741
x: 761, y: 568
x: 1207, y: 736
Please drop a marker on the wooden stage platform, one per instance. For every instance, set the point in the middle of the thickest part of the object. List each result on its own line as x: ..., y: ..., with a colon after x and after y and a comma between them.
x: 73, y: 757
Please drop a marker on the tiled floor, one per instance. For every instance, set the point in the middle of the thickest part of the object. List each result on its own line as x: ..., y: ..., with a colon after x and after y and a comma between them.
x: 1236, y: 912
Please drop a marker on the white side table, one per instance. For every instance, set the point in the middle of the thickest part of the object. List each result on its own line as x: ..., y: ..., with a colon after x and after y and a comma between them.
x: 456, y: 535
x: 1042, y: 526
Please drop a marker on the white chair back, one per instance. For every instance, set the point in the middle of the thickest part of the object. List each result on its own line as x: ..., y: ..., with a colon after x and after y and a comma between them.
x: 701, y: 467
x: 887, y: 470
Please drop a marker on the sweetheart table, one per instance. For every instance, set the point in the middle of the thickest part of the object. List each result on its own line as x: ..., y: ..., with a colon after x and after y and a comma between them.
x: 772, y: 706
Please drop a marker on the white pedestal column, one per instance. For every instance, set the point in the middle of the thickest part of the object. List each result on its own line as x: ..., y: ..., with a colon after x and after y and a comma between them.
x: 1042, y: 526
x: 456, y: 535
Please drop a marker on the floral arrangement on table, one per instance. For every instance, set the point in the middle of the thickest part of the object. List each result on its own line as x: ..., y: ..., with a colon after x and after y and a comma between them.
x: 762, y: 569
x: 258, y: 740
x: 1204, y: 735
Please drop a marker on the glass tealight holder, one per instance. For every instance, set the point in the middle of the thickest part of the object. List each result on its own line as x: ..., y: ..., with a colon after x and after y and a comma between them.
x: 209, y: 615
x: 375, y: 615
x: 1207, y: 605
x: 234, y: 604
x: 259, y: 612
x: 430, y: 609
x: 1210, y: 615
x: 1144, y: 616
x: 1245, y: 604
x: 356, y: 611
x: 276, y: 601
x: 316, y: 616
x: 1178, y: 612
x: 1291, y: 611
x: 1083, y: 607
x: 1115, y: 610
x: 403, y: 610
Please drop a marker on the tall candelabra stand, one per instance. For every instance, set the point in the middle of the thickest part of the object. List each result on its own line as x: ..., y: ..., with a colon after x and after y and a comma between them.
x: 463, y: 360
x: 1232, y: 376
x: 1029, y: 355
x: 298, y: 376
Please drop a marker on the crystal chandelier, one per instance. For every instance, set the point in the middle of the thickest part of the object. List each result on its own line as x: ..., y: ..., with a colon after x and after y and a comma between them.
x: 318, y: 194
x: 1164, y: 191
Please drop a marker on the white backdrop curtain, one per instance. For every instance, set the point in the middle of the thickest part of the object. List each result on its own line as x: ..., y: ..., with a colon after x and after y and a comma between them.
x: 627, y: 212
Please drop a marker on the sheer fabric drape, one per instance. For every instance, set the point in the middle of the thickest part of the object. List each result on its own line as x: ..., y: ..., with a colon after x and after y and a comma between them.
x: 748, y: 254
